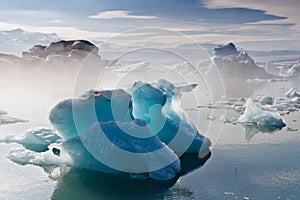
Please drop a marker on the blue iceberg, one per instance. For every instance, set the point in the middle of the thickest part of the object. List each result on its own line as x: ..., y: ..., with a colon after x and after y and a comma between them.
x: 159, y: 106
x: 141, y: 132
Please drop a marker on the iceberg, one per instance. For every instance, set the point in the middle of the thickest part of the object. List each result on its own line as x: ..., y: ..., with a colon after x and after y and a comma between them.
x: 256, y: 120
x: 96, y: 147
x: 159, y: 106
x: 62, y: 49
x: 141, y: 132
x: 237, y: 64
x: 67, y: 53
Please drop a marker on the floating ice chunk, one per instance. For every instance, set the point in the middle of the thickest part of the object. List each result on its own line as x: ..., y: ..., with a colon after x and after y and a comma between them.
x: 266, y: 100
x: 109, y: 147
x: 211, y: 117
x: 159, y: 106
x: 296, y: 100
x: 187, y: 88
x: 71, y: 117
x: 2, y: 112
x: 140, y: 66
x: 294, y: 71
x: 292, y: 93
x: 5, y: 119
x: 34, y: 139
x: 263, y: 120
x: 255, y: 120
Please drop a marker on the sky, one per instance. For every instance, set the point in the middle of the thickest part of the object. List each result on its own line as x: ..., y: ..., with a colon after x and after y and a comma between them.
x: 255, y: 24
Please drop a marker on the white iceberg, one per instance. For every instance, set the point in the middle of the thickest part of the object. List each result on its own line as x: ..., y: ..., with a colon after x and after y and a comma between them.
x: 264, y: 121
x: 237, y: 64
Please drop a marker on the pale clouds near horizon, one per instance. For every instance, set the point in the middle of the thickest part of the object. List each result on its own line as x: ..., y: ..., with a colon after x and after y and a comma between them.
x: 203, y: 21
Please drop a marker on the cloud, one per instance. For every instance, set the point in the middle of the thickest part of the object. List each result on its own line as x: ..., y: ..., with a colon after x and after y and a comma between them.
x: 119, y: 14
x: 287, y: 8
x: 55, y: 21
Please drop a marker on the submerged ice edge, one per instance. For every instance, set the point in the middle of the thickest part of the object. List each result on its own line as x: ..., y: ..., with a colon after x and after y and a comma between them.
x: 114, y: 131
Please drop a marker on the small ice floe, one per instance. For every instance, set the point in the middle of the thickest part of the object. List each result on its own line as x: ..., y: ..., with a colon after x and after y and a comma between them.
x: 257, y: 120
x: 284, y: 105
x: 5, y: 119
x: 34, y: 139
x: 228, y: 120
x: 236, y: 104
x: 292, y: 93
x: 210, y: 117
x: 266, y: 100
x: 291, y: 129
x: 270, y: 80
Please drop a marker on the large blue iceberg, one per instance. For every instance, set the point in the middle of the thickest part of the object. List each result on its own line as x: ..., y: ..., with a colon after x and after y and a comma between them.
x: 141, y: 132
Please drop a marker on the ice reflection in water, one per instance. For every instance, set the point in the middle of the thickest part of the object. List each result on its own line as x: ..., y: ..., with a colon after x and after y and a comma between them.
x: 84, y: 184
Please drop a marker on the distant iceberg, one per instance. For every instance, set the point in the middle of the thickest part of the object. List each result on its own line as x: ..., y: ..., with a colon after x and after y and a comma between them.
x: 69, y: 53
x: 237, y: 64
x: 13, y: 41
